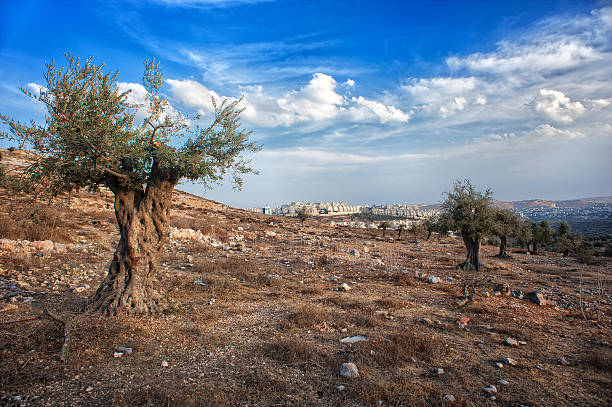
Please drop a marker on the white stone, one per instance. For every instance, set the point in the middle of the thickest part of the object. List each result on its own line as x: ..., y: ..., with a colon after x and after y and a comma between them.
x: 511, y: 362
x: 164, y: 363
x: 433, y: 279
x: 511, y: 342
x: 491, y: 389
x: 353, y: 339
x: 449, y: 398
x: 349, y: 370
x: 344, y: 287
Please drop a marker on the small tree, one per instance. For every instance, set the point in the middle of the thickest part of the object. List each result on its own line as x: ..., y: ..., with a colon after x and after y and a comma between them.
x: 525, y: 233
x: 505, y: 224
x: 542, y: 234
x: 384, y: 225
x: 302, y: 215
x: 431, y: 225
x: 417, y: 228
x: 90, y: 140
x: 468, y: 210
x: 564, y: 243
x: 400, y: 229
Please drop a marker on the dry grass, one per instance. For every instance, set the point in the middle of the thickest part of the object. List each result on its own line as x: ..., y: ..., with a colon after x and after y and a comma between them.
x: 400, y: 348
x: 34, y: 221
x: 295, y: 351
x: 306, y: 316
x: 271, y: 337
x: 600, y: 359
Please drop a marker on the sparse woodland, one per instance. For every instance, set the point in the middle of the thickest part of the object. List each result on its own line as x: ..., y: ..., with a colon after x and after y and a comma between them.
x: 118, y: 290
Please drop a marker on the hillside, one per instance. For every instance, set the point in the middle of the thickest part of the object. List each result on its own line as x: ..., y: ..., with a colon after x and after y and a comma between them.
x: 535, y: 203
x: 255, y: 315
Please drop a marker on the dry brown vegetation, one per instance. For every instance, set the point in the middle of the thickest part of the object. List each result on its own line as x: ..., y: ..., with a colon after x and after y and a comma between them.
x: 271, y: 337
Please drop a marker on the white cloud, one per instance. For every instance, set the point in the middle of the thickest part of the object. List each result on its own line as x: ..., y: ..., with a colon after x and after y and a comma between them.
x: 369, y: 110
x: 548, y: 131
x: 541, y: 57
x: 349, y: 83
x: 438, y: 90
x: 138, y: 97
x: 480, y: 100
x: 557, y: 106
x: 193, y: 94
x: 445, y: 95
x: 316, y: 101
x: 36, y: 89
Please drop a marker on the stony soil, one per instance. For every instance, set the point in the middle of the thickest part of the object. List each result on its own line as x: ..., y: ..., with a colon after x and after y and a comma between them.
x: 254, y: 316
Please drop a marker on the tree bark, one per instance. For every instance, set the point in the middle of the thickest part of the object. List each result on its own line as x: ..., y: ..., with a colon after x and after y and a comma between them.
x: 503, y: 244
x: 428, y: 234
x: 535, y: 247
x: 472, y: 244
x: 143, y: 218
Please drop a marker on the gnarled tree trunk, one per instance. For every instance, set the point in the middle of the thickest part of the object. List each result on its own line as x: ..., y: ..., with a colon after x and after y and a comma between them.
x: 143, y: 226
x: 503, y: 244
x: 472, y: 244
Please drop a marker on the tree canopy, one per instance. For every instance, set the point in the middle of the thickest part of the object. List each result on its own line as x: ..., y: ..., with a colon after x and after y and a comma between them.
x: 90, y: 139
x: 468, y: 210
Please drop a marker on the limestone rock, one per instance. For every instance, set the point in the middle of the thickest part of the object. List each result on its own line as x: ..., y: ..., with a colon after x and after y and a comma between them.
x: 349, y: 370
x: 491, y: 389
x: 511, y: 342
x: 537, y: 297
x: 353, y: 339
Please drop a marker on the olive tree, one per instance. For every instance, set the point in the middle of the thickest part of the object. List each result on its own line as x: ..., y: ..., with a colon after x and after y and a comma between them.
x: 384, y: 225
x: 542, y: 234
x: 90, y: 140
x: 525, y: 233
x: 417, y: 228
x: 468, y: 211
x: 302, y: 215
x: 505, y: 224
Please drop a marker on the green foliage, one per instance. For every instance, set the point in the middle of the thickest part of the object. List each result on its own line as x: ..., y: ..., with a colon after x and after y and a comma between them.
x: 468, y: 210
x: 302, y: 215
x: 563, y: 229
x: 90, y: 139
x: 504, y: 223
x: 384, y: 225
x: 542, y: 233
x: 525, y: 233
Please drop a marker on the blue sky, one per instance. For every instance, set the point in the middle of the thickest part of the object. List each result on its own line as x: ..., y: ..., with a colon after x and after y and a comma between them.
x: 358, y: 101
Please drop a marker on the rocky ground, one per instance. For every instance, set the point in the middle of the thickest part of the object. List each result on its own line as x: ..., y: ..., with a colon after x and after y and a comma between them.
x: 264, y: 311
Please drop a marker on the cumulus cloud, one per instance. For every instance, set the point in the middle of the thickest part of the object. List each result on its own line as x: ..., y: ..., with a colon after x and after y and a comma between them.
x: 445, y: 95
x: 36, y: 89
x: 316, y: 101
x: 369, y: 110
x: 138, y: 96
x: 193, y: 94
x: 557, y: 106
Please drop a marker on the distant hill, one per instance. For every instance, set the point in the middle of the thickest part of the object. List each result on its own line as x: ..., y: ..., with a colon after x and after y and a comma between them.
x: 571, y: 203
